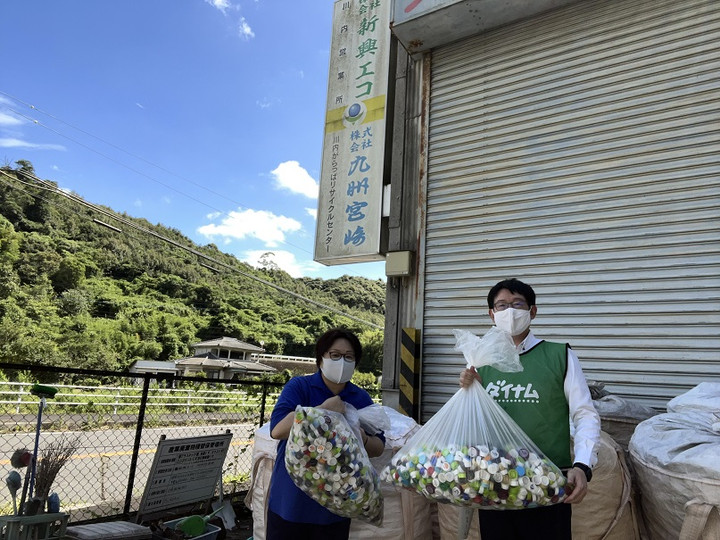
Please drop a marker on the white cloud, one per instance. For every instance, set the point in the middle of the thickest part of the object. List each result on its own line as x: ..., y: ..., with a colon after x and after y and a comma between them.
x: 244, y: 29
x: 260, y: 224
x: 9, y: 120
x: 17, y: 143
x: 291, y: 176
x: 213, y: 215
x: 312, y: 212
x: 222, y: 5
x: 139, y: 105
x: 263, y: 103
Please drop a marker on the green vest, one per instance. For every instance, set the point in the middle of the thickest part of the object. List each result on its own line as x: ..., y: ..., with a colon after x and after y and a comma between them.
x: 535, y: 398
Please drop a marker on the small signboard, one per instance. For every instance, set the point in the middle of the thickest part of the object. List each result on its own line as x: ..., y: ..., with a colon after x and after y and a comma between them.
x: 184, y: 472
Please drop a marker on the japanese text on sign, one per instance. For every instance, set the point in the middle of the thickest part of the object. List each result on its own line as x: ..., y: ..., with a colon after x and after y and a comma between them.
x: 350, y: 201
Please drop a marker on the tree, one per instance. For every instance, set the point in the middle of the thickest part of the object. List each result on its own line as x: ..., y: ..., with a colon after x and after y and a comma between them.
x: 25, y: 167
x: 74, y: 302
x: 9, y: 242
x: 267, y: 261
x: 77, y: 294
x: 373, y: 343
x: 69, y: 274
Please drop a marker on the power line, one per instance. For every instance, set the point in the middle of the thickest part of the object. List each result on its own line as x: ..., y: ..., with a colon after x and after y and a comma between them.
x: 56, y: 132
x: 223, y: 196
x: 47, y: 186
x: 116, y: 147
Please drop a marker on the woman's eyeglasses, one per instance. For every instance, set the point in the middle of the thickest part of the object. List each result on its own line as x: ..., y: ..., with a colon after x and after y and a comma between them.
x: 337, y: 355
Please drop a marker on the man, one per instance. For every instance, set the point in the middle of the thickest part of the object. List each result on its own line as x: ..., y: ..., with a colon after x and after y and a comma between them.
x: 555, y: 394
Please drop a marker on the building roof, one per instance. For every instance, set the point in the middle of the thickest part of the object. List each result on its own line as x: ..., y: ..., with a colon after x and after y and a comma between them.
x: 202, y: 360
x: 152, y: 366
x: 209, y: 360
x: 229, y: 343
x: 239, y: 365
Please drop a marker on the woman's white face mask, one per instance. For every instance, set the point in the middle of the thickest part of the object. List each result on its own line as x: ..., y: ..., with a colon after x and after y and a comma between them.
x: 513, y: 321
x: 338, y: 371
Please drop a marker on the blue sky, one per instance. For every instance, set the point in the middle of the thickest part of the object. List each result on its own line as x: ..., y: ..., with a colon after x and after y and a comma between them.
x: 203, y: 115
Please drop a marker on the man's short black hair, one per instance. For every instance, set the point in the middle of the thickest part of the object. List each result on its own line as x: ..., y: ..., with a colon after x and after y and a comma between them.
x: 515, y: 286
x: 325, y: 341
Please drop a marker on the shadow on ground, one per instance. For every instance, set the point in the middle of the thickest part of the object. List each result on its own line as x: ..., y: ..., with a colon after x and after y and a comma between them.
x: 243, y: 524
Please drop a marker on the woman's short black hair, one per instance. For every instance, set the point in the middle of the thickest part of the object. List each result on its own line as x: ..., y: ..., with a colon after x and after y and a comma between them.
x: 325, y: 341
x: 515, y: 286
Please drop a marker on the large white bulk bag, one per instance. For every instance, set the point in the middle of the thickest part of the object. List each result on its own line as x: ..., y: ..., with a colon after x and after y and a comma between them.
x: 393, y: 526
x: 263, y: 460
x: 406, y: 516
x: 450, y: 517
x: 676, y: 458
x: 606, y: 512
x: 419, y: 515
x: 620, y: 417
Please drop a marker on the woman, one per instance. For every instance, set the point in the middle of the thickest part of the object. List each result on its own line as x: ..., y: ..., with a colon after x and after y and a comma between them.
x: 292, y: 513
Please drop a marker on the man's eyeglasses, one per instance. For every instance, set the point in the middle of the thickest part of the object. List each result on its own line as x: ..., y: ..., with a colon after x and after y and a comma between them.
x: 337, y: 355
x: 518, y: 304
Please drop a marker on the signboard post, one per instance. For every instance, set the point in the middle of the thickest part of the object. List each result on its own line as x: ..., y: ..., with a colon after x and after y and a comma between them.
x: 351, y: 181
x: 184, y: 472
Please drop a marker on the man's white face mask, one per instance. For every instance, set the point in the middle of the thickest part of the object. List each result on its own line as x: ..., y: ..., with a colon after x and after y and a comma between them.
x: 513, y: 321
x: 338, y: 371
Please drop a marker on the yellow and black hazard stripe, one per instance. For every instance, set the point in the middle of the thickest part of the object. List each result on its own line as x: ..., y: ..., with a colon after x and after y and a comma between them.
x: 410, y: 372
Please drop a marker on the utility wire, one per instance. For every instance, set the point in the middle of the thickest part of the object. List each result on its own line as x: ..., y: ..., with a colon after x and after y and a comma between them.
x: 116, y: 147
x: 45, y: 185
x: 41, y: 124
x: 38, y: 123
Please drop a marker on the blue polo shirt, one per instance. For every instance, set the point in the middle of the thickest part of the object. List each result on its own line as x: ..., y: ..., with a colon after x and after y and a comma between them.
x: 285, y: 498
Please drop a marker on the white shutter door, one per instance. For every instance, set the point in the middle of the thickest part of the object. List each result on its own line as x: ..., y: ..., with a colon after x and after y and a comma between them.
x: 580, y: 152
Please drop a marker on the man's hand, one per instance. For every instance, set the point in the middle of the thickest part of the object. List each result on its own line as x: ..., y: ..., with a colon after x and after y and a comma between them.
x: 577, y: 478
x: 468, y: 376
x: 333, y: 404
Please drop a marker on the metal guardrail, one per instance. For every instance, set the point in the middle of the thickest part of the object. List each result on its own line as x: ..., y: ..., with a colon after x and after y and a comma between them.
x: 259, y: 357
x: 17, y: 394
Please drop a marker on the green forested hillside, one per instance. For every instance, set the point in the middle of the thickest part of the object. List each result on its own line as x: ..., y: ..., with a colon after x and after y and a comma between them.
x: 77, y: 293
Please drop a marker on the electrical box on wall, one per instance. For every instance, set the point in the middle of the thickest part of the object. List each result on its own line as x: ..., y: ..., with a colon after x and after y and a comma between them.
x: 399, y: 263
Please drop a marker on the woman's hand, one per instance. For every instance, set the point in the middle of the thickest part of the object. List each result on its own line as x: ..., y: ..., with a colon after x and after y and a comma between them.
x: 468, y: 376
x: 373, y: 445
x: 333, y: 404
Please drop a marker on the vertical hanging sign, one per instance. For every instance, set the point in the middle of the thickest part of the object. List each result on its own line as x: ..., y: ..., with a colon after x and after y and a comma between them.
x: 351, y: 180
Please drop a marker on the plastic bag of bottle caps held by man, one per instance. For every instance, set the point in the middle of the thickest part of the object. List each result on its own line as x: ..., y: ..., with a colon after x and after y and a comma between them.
x: 471, y: 453
x: 326, y: 460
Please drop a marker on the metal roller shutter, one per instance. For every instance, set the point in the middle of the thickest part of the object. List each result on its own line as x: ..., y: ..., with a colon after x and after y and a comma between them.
x: 580, y: 152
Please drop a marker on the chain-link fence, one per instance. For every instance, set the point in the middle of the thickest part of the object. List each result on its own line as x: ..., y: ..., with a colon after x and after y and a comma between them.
x: 110, y: 424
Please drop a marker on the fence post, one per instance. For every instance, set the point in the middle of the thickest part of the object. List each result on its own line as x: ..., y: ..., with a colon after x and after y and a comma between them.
x: 136, y: 445
x: 262, y: 404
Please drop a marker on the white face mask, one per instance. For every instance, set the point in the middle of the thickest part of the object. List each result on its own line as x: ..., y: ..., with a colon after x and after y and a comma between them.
x: 513, y: 321
x: 337, y: 371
